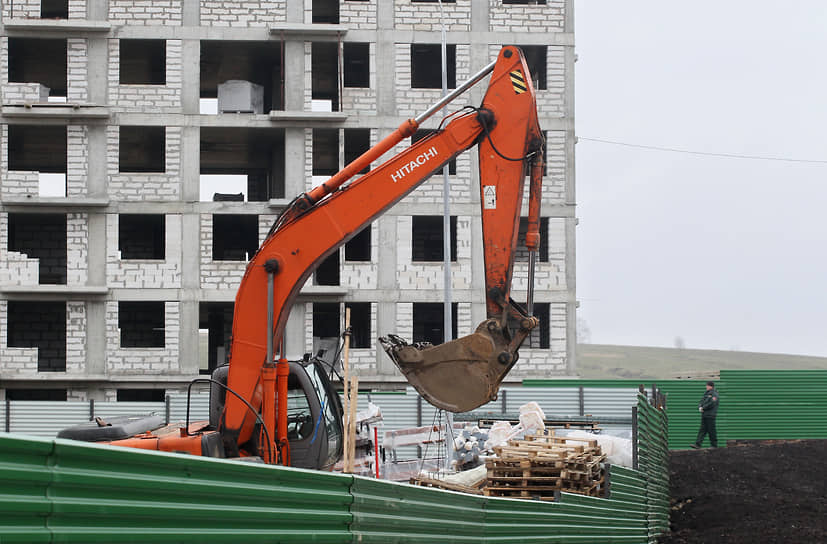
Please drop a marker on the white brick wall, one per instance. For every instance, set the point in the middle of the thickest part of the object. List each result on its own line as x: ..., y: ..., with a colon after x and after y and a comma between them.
x: 542, y: 363
x: 161, y: 186
x: 527, y: 18
x: 140, y: 98
x: 143, y: 361
x: 144, y: 273
x: 75, y: 337
x: 76, y: 79
x: 77, y: 248
x: 429, y: 275
x: 21, y: 9
x: 15, y: 360
x: 77, y: 161
x: 145, y: 12
x: 77, y: 10
x: 358, y: 15
x: 428, y: 17
x: 242, y: 13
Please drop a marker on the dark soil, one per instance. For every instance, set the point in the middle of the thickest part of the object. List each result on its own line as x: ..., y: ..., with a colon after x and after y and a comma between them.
x: 759, y: 492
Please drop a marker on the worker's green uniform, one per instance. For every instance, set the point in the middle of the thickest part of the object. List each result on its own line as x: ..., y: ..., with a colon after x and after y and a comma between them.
x: 709, y: 407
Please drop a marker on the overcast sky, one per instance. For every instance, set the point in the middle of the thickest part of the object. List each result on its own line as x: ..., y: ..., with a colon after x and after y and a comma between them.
x: 724, y: 253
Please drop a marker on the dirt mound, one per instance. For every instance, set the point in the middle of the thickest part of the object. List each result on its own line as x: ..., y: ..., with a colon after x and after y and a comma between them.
x: 759, y: 492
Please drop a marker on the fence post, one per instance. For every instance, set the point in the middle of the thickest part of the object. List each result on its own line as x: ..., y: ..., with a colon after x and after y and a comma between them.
x: 582, y: 401
x: 8, y: 415
x: 166, y: 409
x: 504, y: 401
x: 634, y: 437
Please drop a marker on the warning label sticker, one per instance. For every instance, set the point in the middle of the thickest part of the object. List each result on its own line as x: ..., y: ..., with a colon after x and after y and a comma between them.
x: 489, y: 197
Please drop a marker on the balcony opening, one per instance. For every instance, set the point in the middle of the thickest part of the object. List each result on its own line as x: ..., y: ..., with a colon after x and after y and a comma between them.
x: 328, y: 271
x: 143, y: 62
x: 427, y: 238
x: 429, y: 322
x: 326, y: 12
x: 424, y: 133
x: 361, y: 334
x: 356, y: 63
x: 521, y: 253
x: 41, y: 236
x: 257, y: 65
x: 540, y: 336
x: 54, y: 9
x: 235, y: 237
x: 358, y: 248
x: 142, y: 149
x: 141, y: 395
x: 357, y: 142
x: 142, y: 236
x: 59, y: 395
x: 426, y: 65
x: 141, y: 324
x: 324, y: 76
x: 39, y: 148
x: 246, y: 161
x: 325, y: 153
x: 536, y: 57
x: 215, y: 324
x: 326, y: 327
x: 34, y: 60
x: 41, y: 325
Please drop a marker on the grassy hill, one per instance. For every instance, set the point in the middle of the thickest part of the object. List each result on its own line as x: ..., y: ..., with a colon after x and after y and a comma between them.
x: 605, y: 361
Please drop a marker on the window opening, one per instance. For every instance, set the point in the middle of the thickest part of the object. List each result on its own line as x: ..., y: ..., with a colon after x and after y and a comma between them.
x: 429, y: 322
x: 235, y: 237
x: 141, y: 395
x: 536, y: 58
x: 143, y: 62
x: 215, y: 322
x: 41, y: 236
x: 142, y: 236
x: 257, y: 63
x: 37, y: 148
x: 540, y: 336
x: 34, y: 60
x: 141, y: 324
x: 41, y: 325
x: 427, y: 239
x: 327, y: 272
x: 324, y: 76
x: 358, y: 247
x: 54, y: 9
x: 249, y: 161
x: 357, y: 142
x: 59, y: 395
x: 326, y: 12
x: 426, y: 65
x: 326, y: 326
x: 142, y: 149
x: 356, y: 63
x: 361, y: 337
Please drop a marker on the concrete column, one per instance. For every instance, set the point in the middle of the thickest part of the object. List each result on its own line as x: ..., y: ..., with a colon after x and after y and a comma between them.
x: 97, y: 64
x: 294, y: 75
x: 96, y: 157
x: 294, y: 161
x: 386, y: 281
x: 190, y: 164
x: 294, y: 332
x: 295, y: 11
x: 191, y: 13
x: 191, y: 76
x: 188, y: 337
x: 385, y: 61
x: 95, y: 337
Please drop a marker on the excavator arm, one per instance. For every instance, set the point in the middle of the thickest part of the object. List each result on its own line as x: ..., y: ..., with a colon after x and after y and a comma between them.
x: 321, y: 220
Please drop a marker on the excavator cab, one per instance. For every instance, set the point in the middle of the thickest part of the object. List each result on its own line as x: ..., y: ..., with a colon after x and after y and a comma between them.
x: 314, y: 422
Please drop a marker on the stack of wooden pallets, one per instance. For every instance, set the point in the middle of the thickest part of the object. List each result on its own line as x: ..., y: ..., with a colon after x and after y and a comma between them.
x: 542, y: 464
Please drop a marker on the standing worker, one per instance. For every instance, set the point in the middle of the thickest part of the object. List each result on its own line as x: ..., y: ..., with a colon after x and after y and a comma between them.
x: 708, y: 406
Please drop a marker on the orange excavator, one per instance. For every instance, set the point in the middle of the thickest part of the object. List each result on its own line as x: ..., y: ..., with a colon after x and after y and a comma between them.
x: 288, y: 412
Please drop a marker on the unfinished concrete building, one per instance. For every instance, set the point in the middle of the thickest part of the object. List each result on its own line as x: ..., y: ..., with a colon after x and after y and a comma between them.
x: 147, y: 147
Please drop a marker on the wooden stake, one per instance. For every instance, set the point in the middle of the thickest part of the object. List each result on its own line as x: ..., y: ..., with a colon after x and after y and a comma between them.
x: 350, y: 455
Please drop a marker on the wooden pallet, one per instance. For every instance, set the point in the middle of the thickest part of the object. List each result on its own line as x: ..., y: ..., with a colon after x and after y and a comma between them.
x: 439, y: 484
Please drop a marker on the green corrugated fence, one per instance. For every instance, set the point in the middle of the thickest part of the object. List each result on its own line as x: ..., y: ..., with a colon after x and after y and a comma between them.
x: 65, y: 491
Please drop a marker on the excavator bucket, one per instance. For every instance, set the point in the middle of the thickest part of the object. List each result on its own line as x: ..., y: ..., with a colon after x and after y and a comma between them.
x: 459, y: 375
